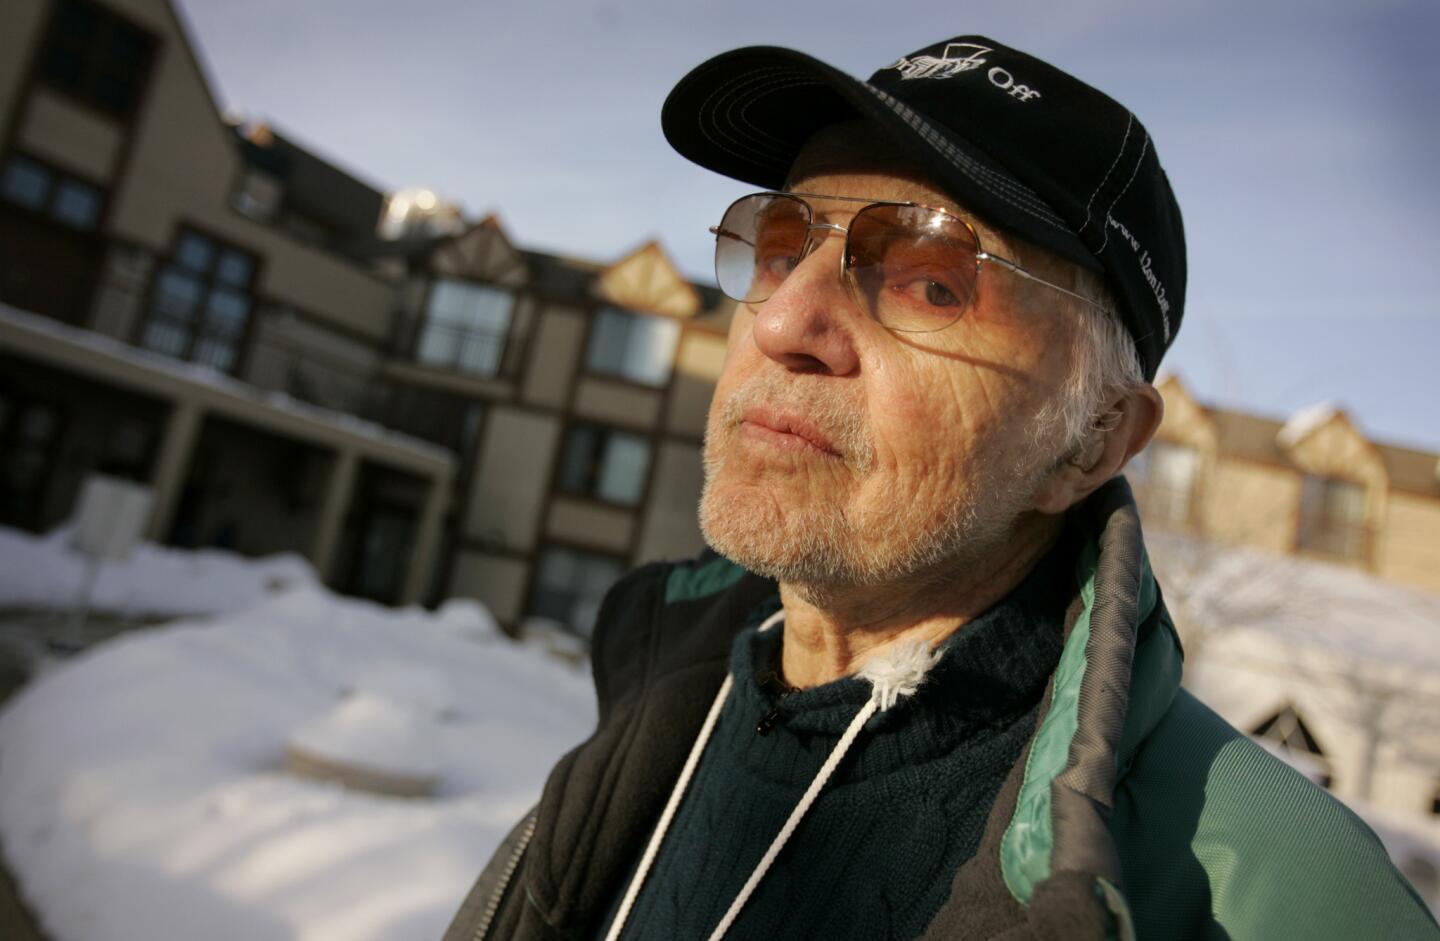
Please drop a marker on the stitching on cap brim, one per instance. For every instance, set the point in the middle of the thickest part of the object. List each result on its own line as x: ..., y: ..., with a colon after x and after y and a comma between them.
x: 750, y: 143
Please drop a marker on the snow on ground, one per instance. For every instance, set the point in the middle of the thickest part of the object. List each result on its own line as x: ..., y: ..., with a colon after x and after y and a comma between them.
x: 142, y: 785
x: 42, y: 572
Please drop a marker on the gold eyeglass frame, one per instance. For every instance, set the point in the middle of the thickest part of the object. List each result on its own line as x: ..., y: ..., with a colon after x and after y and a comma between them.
x: 981, y: 256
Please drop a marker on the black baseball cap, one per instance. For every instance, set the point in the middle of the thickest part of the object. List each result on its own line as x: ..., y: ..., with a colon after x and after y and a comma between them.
x: 1027, y: 147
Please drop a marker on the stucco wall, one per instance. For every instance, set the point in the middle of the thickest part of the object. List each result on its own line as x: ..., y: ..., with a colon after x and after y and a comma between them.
x: 588, y: 524
x: 697, y: 368
x: 513, y: 475
x: 20, y: 24
x: 305, y: 359
x: 1252, y: 504
x: 555, y: 350
x: 57, y: 129
x: 671, y: 528
x: 496, y: 581
x: 617, y: 404
x: 1409, y: 541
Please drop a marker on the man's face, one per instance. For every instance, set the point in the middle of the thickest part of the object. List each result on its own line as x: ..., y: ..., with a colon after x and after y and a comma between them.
x: 840, y: 453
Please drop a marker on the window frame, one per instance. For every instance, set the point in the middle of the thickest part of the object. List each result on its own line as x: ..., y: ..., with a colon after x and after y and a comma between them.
x: 92, y: 65
x: 210, y: 281
x: 622, y: 564
x: 503, y: 359
x: 631, y: 318
x: 590, y: 490
x: 1282, y: 727
x: 1318, y: 534
x: 59, y: 176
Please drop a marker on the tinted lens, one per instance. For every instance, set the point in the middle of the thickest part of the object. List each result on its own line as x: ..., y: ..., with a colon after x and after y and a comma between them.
x: 912, y: 269
x: 759, y: 242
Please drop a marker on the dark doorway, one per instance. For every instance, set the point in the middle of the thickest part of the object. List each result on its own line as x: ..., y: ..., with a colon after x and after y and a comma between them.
x: 380, y: 534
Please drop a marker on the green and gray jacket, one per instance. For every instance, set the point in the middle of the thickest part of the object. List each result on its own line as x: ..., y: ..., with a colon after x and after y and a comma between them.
x: 1134, y: 811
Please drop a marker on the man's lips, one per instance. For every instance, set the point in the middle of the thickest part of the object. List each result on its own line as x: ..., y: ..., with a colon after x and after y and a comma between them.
x: 786, y: 430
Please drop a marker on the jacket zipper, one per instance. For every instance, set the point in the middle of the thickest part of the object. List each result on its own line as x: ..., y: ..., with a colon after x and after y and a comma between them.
x: 483, y: 928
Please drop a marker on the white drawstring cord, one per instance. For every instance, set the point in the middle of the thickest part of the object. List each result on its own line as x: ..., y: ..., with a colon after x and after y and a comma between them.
x: 800, y: 810
x: 897, y: 673
x: 676, y: 793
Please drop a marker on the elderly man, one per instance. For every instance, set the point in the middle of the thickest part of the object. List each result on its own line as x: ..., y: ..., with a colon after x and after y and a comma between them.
x: 925, y: 685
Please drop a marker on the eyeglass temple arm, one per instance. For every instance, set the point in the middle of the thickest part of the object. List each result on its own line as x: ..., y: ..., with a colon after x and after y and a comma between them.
x: 1031, y: 276
x: 726, y: 233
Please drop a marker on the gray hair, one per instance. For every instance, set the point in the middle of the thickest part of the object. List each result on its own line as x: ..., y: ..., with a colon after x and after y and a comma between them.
x: 1103, y: 360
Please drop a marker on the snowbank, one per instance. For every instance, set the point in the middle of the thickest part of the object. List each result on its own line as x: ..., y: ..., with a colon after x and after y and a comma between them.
x: 1306, y: 603
x: 143, y: 792
x: 42, y: 572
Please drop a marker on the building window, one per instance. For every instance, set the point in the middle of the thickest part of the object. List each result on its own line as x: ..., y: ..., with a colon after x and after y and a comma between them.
x: 465, y: 327
x: 570, y: 584
x: 97, y: 57
x: 200, y: 302
x: 1286, y: 735
x: 605, y: 464
x: 44, y: 189
x: 1332, y: 517
x: 636, y: 347
x: 259, y: 194
x: 1165, y: 475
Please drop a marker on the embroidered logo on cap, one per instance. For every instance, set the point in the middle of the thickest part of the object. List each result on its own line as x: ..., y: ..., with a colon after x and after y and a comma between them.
x: 961, y: 57
x: 949, y: 63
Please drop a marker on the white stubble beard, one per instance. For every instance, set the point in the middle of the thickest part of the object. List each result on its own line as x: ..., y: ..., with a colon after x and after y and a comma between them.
x: 825, y: 544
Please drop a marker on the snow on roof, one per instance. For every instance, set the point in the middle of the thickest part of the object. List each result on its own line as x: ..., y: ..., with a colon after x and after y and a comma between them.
x: 1303, y: 422
x: 202, y: 375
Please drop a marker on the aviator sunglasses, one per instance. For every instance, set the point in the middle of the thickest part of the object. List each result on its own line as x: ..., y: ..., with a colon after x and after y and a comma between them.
x: 912, y: 268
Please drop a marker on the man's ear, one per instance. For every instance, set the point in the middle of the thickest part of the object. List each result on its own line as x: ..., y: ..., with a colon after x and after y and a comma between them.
x: 1122, y: 430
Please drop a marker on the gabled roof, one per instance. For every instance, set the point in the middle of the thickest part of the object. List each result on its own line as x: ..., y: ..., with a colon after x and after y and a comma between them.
x: 561, y: 278
x: 1307, y: 421
x: 1257, y: 438
x: 646, y: 280
x: 1248, y: 436
x: 1410, y: 470
x: 314, y: 187
x: 484, y: 252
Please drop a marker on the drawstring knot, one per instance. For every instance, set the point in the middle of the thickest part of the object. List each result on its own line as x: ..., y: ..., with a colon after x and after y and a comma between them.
x: 898, y: 671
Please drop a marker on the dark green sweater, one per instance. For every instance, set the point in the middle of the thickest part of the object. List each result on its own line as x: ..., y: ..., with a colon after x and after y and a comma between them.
x: 876, y: 854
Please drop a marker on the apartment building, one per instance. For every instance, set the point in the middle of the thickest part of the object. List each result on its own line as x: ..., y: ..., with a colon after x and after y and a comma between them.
x: 206, y: 307
x: 1313, y: 485
x: 1315, y: 632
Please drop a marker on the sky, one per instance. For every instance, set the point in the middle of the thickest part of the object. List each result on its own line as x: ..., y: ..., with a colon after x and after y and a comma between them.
x: 1300, y: 137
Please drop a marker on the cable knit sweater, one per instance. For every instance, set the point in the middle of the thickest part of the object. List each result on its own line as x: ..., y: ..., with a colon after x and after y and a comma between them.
x: 876, y: 856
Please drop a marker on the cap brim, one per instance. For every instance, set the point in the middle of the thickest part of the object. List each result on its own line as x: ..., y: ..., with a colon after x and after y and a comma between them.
x: 747, y: 113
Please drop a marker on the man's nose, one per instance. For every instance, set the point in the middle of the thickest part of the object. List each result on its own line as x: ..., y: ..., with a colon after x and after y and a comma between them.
x: 807, y: 325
